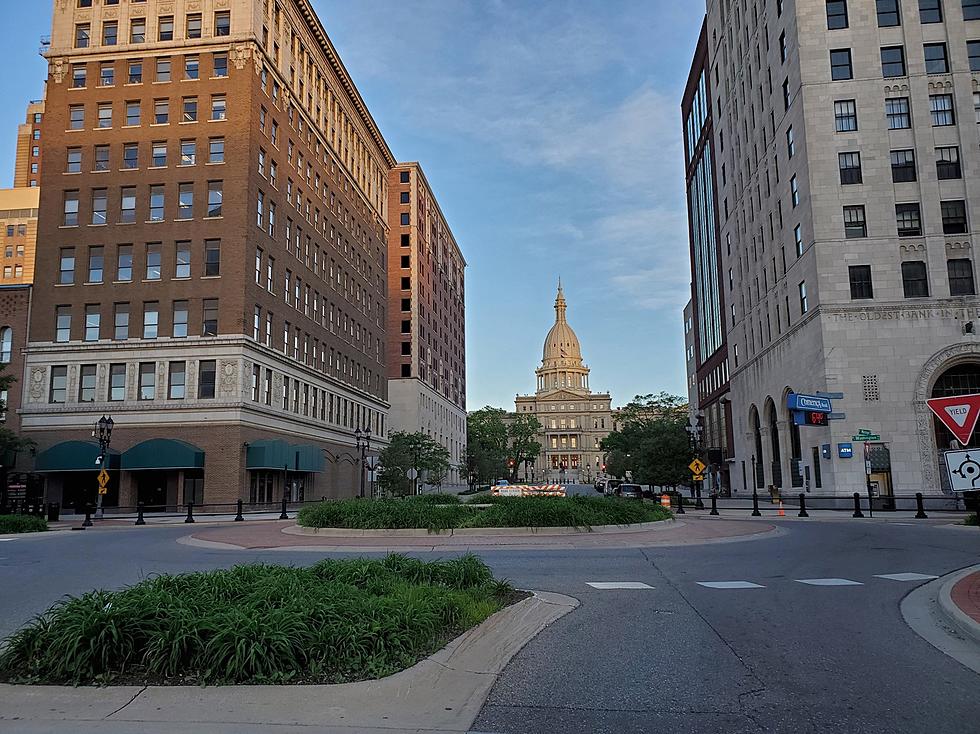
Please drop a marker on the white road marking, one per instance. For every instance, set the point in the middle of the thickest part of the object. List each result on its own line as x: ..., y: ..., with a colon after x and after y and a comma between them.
x: 829, y: 582
x: 604, y: 585
x: 6, y: 540
x: 906, y: 576
x: 730, y: 585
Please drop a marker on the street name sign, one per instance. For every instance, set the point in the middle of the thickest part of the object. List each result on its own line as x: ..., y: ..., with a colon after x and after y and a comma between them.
x: 812, y: 403
x: 866, y: 437
x: 964, y: 470
x: 959, y: 414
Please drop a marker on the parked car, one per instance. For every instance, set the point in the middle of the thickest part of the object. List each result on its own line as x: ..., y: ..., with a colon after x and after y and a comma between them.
x: 600, y: 485
x: 632, y: 491
x: 502, y: 483
x: 611, y: 485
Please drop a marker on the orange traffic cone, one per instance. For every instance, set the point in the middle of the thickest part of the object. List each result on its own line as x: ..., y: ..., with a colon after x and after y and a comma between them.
x: 781, y: 512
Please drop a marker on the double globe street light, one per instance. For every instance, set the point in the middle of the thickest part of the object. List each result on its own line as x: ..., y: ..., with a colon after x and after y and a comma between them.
x: 363, y: 439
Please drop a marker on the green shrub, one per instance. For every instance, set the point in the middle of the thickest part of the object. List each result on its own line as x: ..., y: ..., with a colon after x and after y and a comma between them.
x: 339, y: 620
x: 436, y: 499
x: 22, y: 524
x: 971, y: 520
x: 381, y: 514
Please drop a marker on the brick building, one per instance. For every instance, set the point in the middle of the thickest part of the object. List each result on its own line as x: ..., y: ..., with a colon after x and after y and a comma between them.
x: 27, y: 165
x: 426, y: 320
x: 213, y: 260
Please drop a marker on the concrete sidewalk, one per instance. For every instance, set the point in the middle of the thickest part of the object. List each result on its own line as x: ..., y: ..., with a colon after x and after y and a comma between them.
x: 443, y: 693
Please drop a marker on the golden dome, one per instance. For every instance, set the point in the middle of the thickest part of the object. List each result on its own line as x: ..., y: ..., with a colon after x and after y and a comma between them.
x: 561, y: 346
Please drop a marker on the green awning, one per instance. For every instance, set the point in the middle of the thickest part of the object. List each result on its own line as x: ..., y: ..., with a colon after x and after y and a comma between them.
x: 74, y: 456
x: 163, y: 453
x: 280, y: 455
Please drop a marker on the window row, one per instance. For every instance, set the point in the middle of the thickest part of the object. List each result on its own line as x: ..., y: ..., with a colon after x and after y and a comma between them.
x: 126, y: 203
x: 187, y: 112
x: 91, y: 329
x: 151, y: 262
x: 915, y: 279
x: 176, y: 385
x: 898, y: 112
x: 908, y: 218
x: 135, y: 70
x: 903, y: 166
x: 889, y: 12
x: 101, y: 156
x: 893, y: 64
x: 165, y: 28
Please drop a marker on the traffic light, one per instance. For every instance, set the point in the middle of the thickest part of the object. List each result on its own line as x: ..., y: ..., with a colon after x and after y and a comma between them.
x: 510, y: 463
x: 603, y: 467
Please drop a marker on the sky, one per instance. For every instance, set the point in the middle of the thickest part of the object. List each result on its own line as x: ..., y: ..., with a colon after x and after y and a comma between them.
x: 550, y: 132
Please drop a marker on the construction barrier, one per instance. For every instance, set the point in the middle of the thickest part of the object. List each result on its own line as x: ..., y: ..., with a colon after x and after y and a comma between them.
x: 522, y: 490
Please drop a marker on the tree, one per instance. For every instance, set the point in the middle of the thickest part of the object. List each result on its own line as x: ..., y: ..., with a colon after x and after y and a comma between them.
x: 486, y: 444
x: 407, y: 451
x: 524, y: 446
x: 10, y: 442
x: 651, y: 441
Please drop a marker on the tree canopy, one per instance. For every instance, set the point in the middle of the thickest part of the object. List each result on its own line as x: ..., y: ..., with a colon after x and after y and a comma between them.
x: 486, y: 444
x: 651, y: 441
x: 407, y: 451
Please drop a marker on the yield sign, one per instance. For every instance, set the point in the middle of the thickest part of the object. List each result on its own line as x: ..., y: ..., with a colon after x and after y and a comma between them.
x: 959, y: 414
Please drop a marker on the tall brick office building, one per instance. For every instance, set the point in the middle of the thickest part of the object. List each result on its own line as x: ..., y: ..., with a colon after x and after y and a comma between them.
x: 213, y: 264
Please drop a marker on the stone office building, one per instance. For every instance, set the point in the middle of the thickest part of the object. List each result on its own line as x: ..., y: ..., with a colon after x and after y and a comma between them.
x: 213, y: 256
x: 846, y: 170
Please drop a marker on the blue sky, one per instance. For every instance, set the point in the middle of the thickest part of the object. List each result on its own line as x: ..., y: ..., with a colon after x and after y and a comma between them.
x: 550, y: 131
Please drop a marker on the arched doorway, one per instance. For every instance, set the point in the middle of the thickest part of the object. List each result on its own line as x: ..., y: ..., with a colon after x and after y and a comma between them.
x: 772, y: 419
x: 758, y: 467
x: 960, y: 379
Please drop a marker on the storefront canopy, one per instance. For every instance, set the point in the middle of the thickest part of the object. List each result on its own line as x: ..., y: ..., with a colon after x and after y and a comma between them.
x: 163, y: 453
x: 283, y: 456
x: 74, y: 456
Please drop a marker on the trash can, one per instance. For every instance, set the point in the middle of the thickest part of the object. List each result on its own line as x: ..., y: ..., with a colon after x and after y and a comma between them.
x: 54, y: 511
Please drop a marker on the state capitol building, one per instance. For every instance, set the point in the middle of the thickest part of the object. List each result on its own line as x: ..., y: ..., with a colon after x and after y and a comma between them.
x: 574, y: 419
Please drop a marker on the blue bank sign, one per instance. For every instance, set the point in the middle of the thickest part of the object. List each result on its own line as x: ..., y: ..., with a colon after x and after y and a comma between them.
x: 811, y: 403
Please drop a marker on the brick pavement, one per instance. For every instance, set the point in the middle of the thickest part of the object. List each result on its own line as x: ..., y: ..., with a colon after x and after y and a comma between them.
x: 966, y: 595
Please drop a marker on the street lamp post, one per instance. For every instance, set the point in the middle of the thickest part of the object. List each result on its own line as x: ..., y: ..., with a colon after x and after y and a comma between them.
x: 363, y: 439
x: 103, y: 432
x: 695, y: 430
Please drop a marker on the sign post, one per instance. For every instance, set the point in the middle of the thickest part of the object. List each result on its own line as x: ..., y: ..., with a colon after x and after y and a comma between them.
x: 697, y: 468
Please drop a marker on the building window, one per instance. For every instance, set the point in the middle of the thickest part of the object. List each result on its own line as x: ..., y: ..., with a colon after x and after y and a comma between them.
x: 76, y: 117
x: 177, y: 381
x: 124, y: 263
x: 86, y: 383
x: 850, y: 168
x: 74, y: 161
x: 790, y: 142
x: 78, y: 76
x: 914, y: 279
x: 190, y: 109
x: 798, y: 240
x: 210, y: 317
x: 897, y: 112
x: 930, y: 11
x: 954, y: 216
x: 188, y: 152
x: 845, y: 116
x: 903, y: 165
x: 960, y: 277
x: 62, y: 324
x: 133, y: 113
x: 794, y: 192
x: 216, y: 150
x: 222, y: 23
x: 165, y: 28
x: 218, y: 107
x: 185, y: 201
x: 206, y: 379
x: 147, y: 380
x: 804, y: 304
x: 161, y: 111
x: 58, y: 392
x: 909, y: 220
x: 212, y: 258
x: 157, y: 201
x: 137, y: 30
x: 93, y: 320
x: 159, y: 154
x: 151, y: 320
x: 193, y: 25
x: 840, y: 64
x: 135, y: 72
x: 107, y: 74
x: 836, y: 14
x: 100, y: 199
x: 893, y: 61
x: 83, y: 35
x: 127, y: 204
x: 220, y: 65
x: 117, y: 382
x: 971, y: 9
x: 96, y: 263
x: 860, y: 279
x: 130, y: 156
x: 889, y: 14
x: 180, y: 319
x: 66, y: 274
x: 854, y: 222
x: 153, y: 261
x: 948, y: 163
x: 941, y: 106
x: 120, y: 321
x: 6, y: 344
x: 936, y: 58
x: 182, y: 265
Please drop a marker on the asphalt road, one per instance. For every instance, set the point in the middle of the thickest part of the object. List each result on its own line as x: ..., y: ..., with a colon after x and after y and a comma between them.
x: 678, y: 657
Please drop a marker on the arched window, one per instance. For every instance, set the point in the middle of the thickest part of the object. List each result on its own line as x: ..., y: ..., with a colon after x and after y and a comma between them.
x: 6, y: 344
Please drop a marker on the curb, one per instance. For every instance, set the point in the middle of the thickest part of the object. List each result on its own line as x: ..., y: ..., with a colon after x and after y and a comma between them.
x: 463, y: 672
x: 926, y: 612
x: 476, y: 532
x: 963, y: 622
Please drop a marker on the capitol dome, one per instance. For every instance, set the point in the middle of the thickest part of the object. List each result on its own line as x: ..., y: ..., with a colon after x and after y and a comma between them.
x: 561, y: 346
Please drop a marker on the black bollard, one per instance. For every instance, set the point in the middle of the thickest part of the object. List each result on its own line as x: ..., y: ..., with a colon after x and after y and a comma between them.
x: 755, y: 504
x: 857, y: 506
x: 920, y: 509
x: 714, y: 504
x: 698, y: 504
x: 680, y: 504
x: 283, y: 516
x: 88, y: 516
x: 239, y: 517
x: 803, y: 512
x: 139, y: 514
x: 190, y: 512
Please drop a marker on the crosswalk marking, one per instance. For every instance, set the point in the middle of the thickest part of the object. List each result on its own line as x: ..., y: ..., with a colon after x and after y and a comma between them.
x: 606, y: 585
x: 829, y: 582
x: 6, y: 540
x: 730, y: 585
x: 906, y: 576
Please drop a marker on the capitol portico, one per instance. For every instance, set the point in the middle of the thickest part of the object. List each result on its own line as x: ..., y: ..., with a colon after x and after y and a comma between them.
x: 574, y: 419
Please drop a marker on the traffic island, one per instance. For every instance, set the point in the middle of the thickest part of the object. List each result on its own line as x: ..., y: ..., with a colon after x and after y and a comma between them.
x: 335, y: 622
x: 16, y: 524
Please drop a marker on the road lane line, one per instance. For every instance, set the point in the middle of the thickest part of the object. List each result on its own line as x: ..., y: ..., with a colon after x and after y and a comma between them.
x: 906, y: 576
x: 730, y: 585
x: 608, y: 585
x: 829, y: 582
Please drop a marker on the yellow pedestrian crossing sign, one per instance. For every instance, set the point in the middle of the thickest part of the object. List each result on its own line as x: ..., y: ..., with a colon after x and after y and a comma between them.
x: 697, y: 467
x: 103, y: 482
